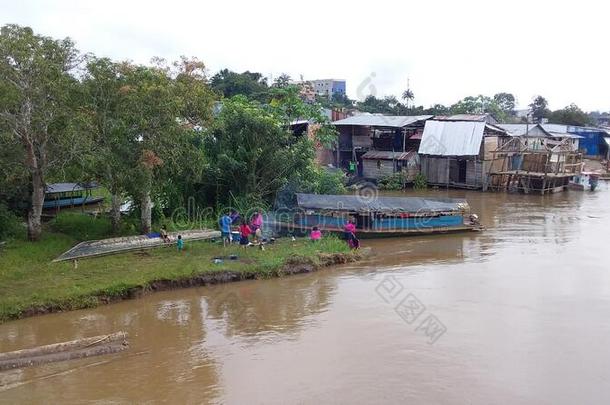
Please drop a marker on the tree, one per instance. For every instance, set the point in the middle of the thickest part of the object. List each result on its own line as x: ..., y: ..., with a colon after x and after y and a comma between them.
x: 437, y: 109
x: 506, y: 102
x: 539, y: 108
x: 37, y: 104
x: 479, y: 105
x: 570, y: 115
x: 160, y: 113
x: 282, y: 81
x: 408, y: 96
x: 251, y: 153
x: 104, y: 86
x: 250, y: 84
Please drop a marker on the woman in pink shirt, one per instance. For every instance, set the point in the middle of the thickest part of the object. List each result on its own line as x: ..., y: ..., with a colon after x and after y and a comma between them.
x: 349, y: 230
x: 315, y: 234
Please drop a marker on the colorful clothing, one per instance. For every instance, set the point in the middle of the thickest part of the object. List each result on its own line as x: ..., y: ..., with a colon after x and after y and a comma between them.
x: 225, y: 224
x: 244, y: 232
x: 315, y: 235
x: 257, y: 221
x: 180, y: 244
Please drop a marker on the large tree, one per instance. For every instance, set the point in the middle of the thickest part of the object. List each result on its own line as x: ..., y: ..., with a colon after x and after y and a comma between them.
x: 539, y: 108
x: 162, y: 109
x: 252, y: 153
x: 506, y: 102
x: 250, y: 84
x: 37, y: 107
x: 570, y: 115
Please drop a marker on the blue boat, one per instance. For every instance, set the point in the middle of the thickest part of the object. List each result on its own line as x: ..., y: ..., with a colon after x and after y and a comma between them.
x: 64, y: 195
x: 378, y: 216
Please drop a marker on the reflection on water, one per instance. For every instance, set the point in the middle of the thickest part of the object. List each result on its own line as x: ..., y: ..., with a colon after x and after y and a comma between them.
x: 525, y: 305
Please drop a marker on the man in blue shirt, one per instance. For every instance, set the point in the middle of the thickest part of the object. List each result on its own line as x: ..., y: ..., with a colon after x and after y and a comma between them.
x: 225, y: 229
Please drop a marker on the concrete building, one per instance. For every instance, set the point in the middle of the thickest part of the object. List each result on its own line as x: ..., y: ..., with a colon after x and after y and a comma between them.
x: 328, y: 87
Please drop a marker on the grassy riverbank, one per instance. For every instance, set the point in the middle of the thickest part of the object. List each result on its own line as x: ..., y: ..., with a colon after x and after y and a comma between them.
x: 31, y: 284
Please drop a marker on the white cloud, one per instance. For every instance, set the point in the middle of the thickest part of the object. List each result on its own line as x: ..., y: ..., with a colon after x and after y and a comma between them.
x: 448, y: 49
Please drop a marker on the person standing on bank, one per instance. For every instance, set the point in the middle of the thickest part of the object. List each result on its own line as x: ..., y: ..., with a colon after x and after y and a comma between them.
x: 244, y: 233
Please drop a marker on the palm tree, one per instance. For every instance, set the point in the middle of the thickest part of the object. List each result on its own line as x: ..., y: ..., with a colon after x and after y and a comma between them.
x: 408, y: 95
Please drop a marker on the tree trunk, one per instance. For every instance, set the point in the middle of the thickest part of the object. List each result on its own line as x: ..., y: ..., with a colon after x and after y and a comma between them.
x: 145, y: 214
x: 35, y: 210
x: 115, y: 212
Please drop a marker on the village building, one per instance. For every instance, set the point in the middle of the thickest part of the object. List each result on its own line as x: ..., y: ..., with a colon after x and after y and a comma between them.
x: 375, y: 146
x: 455, y: 151
x: 591, y: 141
x: 540, y: 158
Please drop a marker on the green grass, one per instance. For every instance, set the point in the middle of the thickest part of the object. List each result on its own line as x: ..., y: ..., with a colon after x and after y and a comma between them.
x: 28, y: 278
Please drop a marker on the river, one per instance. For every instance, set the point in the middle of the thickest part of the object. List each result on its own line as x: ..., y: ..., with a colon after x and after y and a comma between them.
x: 517, y: 314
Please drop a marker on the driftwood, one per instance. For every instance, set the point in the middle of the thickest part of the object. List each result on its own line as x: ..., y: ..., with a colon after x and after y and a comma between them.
x: 74, y: 349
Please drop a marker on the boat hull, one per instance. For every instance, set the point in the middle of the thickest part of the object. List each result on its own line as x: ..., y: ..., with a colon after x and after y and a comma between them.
x: 286, y: 228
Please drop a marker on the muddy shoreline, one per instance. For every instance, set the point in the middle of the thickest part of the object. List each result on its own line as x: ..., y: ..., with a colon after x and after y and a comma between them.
x: 295, y: 265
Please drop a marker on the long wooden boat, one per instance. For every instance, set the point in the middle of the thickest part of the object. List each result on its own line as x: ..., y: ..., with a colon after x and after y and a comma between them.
x: 378, y: 216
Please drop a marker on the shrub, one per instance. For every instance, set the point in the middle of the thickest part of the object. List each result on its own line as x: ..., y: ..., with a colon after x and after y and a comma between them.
x: 82, y: 226
x: 394, y: 181
x: 420, y: 182
x: 10, y: 225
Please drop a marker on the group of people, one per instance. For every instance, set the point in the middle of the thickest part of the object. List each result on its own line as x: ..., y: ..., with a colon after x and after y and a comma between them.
x: 349, y: 234
x: 254, y: 227
x: 166, y: 239
x: 245, y: 228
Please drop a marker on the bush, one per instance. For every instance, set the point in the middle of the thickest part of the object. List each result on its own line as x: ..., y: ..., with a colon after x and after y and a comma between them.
x: 394, y: 181
x: 82, y: 226
x: 330, y: 182
x: 420, y: 182
x: 10, y: 225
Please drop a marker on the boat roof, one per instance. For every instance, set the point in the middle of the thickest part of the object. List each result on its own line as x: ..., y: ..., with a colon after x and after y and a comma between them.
x: 364, y: 203
x: 54, y: 188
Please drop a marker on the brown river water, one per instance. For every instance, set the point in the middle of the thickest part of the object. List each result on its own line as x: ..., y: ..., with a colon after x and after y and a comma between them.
x: 518, y: 314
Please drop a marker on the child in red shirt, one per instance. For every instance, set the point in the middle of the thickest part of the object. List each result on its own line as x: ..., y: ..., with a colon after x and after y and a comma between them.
x: 244, y: 233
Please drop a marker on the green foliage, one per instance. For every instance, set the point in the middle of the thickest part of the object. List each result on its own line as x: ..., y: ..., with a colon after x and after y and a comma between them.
x: 10, y: 224
x: 539, y: 108
x: 29, y: 280
x: 81, y: 226
x: 394, y: 181
x: 570, y: 115
x: 253, y: 85
x: 251, y: 153
x: 506, y: 103
x: 39, y: 95
x: 420, y: 182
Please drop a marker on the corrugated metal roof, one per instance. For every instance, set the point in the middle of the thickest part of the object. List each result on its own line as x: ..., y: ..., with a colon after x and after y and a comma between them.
x: 388, y: 155
x: 462, y: 117
x: 452, y: 138
x: 69, y: 187
x: 563, y: 129
x: 515, y: 129
x: 379, y: 204
x: 377, y: 120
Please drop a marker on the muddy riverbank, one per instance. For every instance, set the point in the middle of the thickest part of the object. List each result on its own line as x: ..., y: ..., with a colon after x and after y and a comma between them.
x: 293, y: 265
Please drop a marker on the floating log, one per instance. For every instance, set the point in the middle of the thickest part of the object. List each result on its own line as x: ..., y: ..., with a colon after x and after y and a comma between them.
x: 74, y: 349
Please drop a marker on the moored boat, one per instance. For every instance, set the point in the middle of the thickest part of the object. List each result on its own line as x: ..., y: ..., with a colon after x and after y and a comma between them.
x: 584, y: 181
x: 379, y: 216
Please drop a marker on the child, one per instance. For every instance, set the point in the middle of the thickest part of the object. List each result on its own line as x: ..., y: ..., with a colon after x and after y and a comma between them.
x: 315, y: 234
x: 244, y: 232
x: 164, y: 235
x: 180, y: 243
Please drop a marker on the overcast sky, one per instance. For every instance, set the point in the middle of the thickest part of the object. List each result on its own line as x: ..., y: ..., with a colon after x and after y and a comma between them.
x: 448, y: 49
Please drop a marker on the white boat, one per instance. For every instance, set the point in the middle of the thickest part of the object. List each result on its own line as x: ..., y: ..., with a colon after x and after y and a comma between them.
x: 584, y: 181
